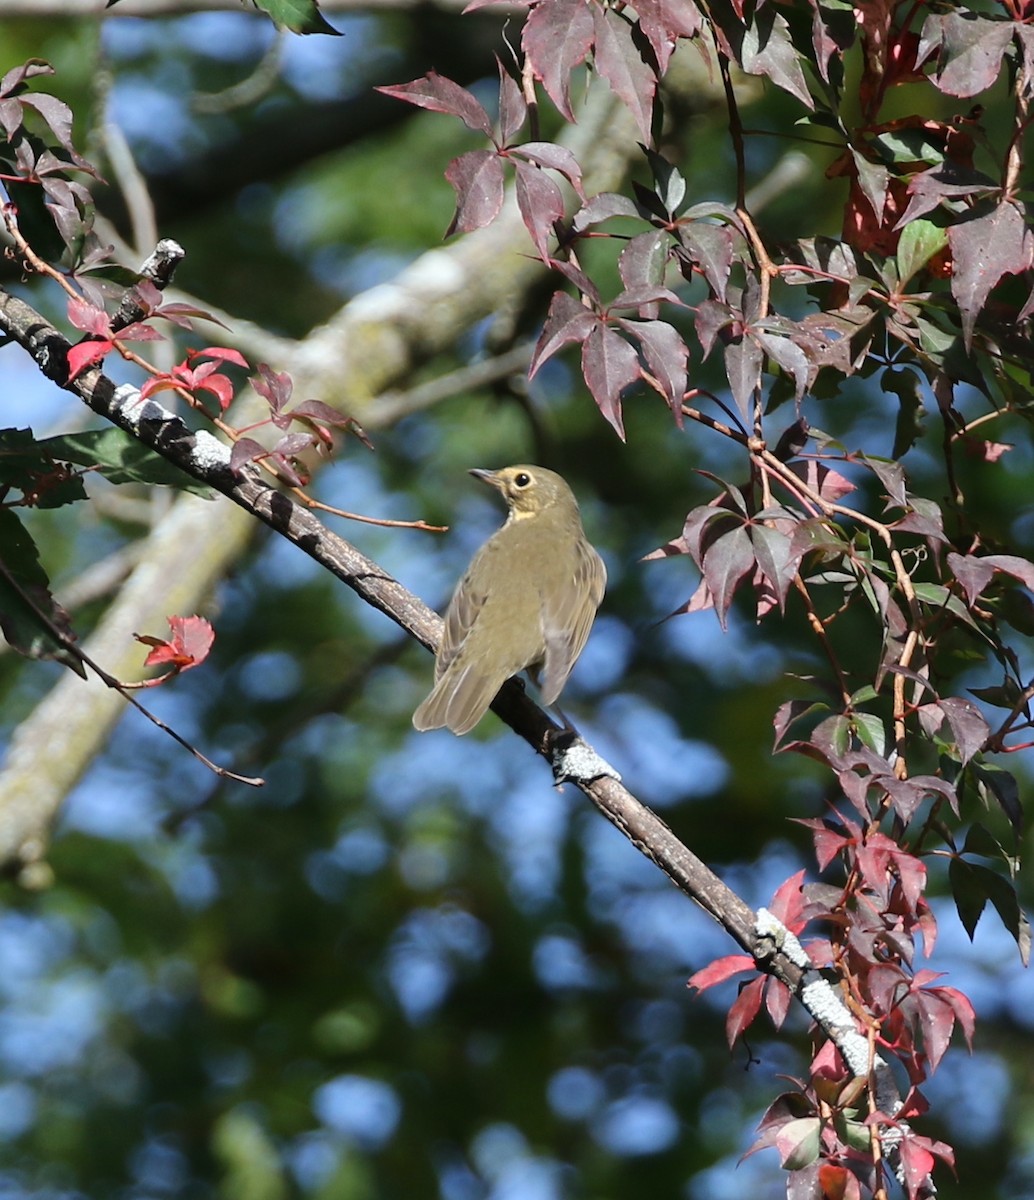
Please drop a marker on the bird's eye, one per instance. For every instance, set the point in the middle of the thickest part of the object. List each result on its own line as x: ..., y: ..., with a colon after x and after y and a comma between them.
x: 522, y: 479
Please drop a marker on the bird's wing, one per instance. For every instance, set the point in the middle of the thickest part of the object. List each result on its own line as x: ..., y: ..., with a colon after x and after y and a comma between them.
x: 567, y: 617
x: 460, y: 616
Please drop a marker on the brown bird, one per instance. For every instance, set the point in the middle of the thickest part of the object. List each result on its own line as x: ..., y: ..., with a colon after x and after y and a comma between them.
x: 527, y: 602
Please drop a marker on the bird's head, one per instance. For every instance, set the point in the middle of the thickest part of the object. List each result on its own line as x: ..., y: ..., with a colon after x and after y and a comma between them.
x: 529, y: 490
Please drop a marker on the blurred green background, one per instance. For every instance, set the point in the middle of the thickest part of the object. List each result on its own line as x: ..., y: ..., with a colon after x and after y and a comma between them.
x: 408, y: 966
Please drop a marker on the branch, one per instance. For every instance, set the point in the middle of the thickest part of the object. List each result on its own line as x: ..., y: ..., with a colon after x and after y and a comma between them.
x: 207, y: 460
x: 99, y: 9
x: 369, y: 346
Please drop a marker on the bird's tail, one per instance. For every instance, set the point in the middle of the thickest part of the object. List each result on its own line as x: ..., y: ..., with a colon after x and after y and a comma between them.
x: 458, y: 700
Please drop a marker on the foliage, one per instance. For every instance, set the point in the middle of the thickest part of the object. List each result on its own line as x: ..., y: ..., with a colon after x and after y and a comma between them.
x: 919, y: 288
x: 926, y: 292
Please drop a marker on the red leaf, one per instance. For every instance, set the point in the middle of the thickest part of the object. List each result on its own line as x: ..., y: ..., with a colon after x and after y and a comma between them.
x: 788, y: 902
x: 220, y: 354
x: 557, y: 38
x: 220, y: 387
x: 439, y: 94
x: 477, y: 178
x: 963, y: 1009
x: 88, y: 318
x: 189, y: 645
x: 609, y: 365
x: 916, y: 1165
x: 937, y: 1021
x: 158, y: 383
x: 720, y: 970
x: 777, y: 1001
x: 744, y: 1009
x: 139, y: 332
x: 84, y: 355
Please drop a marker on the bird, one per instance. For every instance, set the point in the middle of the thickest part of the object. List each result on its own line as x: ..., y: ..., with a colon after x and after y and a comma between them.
x: 527, y: 602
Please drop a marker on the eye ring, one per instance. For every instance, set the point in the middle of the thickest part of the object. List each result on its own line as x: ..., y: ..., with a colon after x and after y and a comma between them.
x: 522, y: 479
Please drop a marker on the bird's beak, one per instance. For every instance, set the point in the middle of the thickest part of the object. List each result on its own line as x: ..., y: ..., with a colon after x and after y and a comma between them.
x: 489, y: 477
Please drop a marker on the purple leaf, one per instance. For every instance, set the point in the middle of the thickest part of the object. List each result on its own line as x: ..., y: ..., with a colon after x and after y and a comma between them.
x: 512, y: 109
x: 974, y: 574
x: 643, y: 296
x: 712, y: 318
x: 11, y: 115
x: 56, y: 113
x: 557, y: 38
x: 743, y: 357
x: 967, y: 724
x: 557, y: 158
x: 777, y: 559
x: 643, y: 260
x: 983, y: 250
x: 15, y: 78
x: 789, y: 356
x: 946, y: 181
x: 246, y: 450
x: 275, y: 387
x: 567, y: 322
x: 602, y: 208
x: 664, y: 22
x: 435, y: 92
x: 477, y: 178
x: 621, y: 64
x: 891, y: 475
x: 726, y: 563
x: 609, y: 364
x: 666, y: 357
x: 970, y: 50
x: 768, y: 50
x: 709, y: 248
x: 541, y: 204
x: 580, y: 280
x: 874, y: 180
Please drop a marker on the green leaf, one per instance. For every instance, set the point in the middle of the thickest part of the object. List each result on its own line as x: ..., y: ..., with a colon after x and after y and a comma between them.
x: 970, y: 898
x: 44, y: 482
x: 980, y: 840
x: 870, y: 731
x: 299, y: 16
x: 907, y: 386
x: 920, y: 240
x: 995, y: 783
x: 29, y: 614
x: 973, y: 885
x: 119, y: 457
x: 670, y: 185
